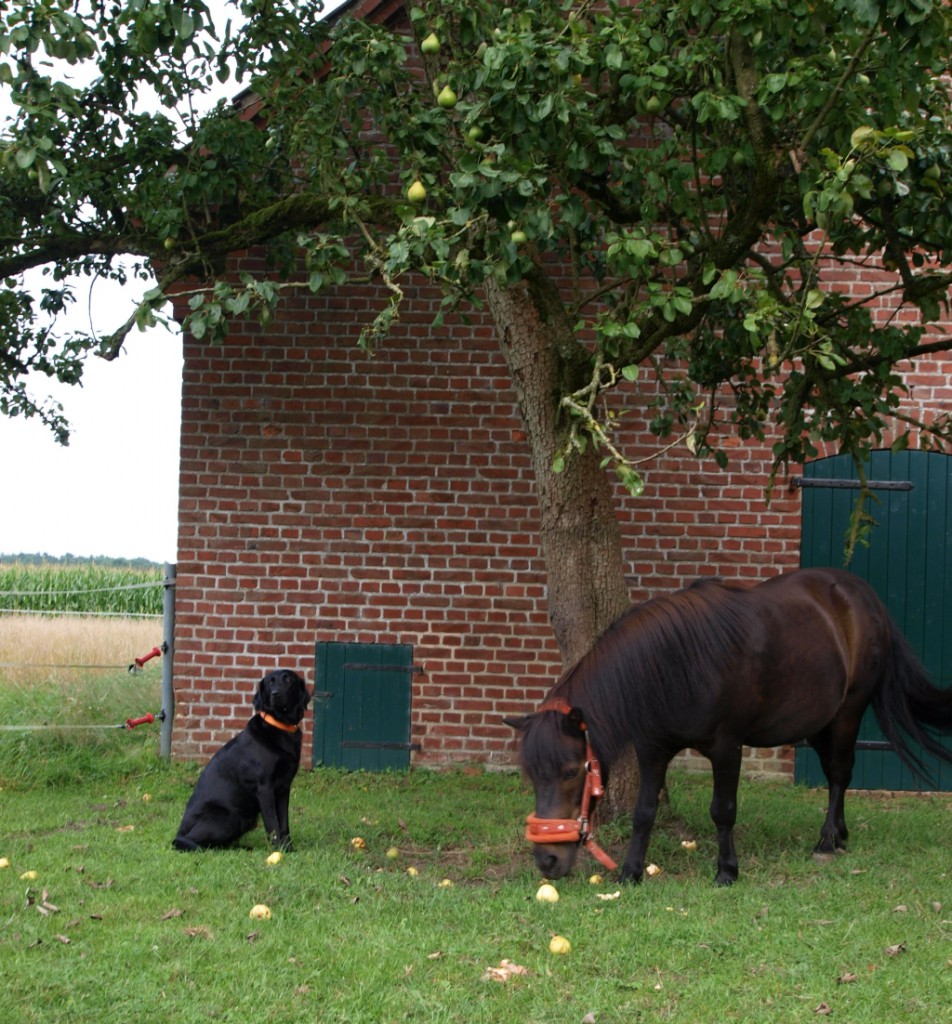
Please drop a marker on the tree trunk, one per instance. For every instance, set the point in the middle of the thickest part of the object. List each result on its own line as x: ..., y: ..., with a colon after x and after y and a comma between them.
x: 581, y: 539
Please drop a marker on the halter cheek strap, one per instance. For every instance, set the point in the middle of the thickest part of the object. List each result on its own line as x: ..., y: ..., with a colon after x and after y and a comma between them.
x: 574, y: 830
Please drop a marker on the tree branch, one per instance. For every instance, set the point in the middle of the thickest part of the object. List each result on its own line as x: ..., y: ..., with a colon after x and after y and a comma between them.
x: 301, y: 210
x: 848, y: 72
x: 65, y: 248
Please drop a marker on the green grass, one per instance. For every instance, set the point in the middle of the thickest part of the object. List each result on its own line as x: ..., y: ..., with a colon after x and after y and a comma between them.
x: 70, y: 732
x: 143, y: 933
x: 117, y: 926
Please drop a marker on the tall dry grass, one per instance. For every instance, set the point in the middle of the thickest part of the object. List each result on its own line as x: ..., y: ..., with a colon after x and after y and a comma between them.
x: 42, y: 650
x: 66, y: 693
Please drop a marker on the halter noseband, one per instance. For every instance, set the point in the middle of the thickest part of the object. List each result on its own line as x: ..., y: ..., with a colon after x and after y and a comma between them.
x: 574, y: 830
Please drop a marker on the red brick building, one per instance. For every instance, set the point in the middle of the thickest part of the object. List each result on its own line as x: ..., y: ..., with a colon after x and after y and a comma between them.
x: 332, y: 497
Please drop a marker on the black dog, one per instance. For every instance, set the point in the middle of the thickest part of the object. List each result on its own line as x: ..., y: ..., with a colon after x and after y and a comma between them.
x: 252, y: 773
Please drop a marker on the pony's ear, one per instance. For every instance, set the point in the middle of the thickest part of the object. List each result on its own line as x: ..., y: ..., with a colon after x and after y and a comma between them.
x: 517, y: 723
x: 574, y: 722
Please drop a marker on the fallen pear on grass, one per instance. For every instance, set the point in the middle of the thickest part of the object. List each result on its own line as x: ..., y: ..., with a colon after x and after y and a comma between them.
x: 547, y: 893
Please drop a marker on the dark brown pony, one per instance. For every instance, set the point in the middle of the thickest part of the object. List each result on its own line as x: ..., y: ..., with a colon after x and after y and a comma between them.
x: 715, y: 667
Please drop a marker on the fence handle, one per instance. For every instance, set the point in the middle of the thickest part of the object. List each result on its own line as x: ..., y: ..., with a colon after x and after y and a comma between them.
x: 131, y: 723
x: 139, y: 662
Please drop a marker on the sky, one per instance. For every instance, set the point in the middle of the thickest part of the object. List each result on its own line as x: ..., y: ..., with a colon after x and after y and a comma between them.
x: 114, y: 490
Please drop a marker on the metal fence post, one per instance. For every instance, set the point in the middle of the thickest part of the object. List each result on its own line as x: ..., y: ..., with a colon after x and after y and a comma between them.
x: 168, y: 650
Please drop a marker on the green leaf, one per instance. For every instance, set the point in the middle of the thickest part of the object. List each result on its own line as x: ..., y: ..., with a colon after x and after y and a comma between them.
x: 43, y: 176
x: 182, y: 22
x: 862, y: 136
x: 752, y: 323
x: 631, y: 480
x: 723, y: 288
x: 614, y: 57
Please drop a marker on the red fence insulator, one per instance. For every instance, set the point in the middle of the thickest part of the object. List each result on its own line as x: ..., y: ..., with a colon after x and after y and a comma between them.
x: 131, y: 723
x: 139, y: 662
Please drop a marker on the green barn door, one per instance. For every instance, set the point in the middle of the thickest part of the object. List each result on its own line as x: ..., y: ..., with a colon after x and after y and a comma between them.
x: 909, y: 563
x: 362, y: 706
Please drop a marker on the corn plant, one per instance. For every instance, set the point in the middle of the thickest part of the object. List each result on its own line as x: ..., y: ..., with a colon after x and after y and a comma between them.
x: 90, y: 588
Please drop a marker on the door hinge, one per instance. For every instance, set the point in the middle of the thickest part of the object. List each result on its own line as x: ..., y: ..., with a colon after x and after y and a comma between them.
x: 371, y: 745
x: 850, y: 484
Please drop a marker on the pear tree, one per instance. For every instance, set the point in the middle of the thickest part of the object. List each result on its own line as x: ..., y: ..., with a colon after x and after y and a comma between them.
x: 631, y: 189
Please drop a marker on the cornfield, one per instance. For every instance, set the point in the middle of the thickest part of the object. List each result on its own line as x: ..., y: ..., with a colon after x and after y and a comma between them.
x: 84, y: 588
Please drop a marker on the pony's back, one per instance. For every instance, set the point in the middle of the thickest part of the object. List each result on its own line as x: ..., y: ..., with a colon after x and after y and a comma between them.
x: 657, y: 659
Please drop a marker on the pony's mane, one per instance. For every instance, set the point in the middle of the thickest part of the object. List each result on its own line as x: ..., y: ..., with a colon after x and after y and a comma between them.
x: 654, y: 661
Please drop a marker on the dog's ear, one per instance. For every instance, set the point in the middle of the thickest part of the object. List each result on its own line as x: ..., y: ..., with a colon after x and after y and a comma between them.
x: 259, y: 701
x: 303, y: 695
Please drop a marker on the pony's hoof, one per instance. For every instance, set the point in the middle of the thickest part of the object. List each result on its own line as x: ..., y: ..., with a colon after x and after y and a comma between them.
x: 826, y: 856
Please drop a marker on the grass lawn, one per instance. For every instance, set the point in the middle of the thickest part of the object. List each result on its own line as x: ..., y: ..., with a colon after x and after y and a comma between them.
x: 116, y: 926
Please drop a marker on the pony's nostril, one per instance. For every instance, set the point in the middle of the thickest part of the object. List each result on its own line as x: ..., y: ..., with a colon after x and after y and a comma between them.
x: 546, y: 863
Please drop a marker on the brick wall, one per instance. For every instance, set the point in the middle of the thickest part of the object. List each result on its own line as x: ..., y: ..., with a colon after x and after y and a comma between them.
x: 327, y: 494
x: 330, y: 495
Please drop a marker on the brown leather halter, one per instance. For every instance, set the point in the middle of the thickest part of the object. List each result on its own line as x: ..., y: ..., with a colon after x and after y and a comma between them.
x: 574, y: 830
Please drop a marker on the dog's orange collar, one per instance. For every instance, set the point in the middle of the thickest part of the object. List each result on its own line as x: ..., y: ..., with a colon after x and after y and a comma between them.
x: 283, y: 726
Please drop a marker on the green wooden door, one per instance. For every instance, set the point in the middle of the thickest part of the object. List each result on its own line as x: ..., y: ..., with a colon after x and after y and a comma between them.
x: 909, y: 563
x: 362, y: 706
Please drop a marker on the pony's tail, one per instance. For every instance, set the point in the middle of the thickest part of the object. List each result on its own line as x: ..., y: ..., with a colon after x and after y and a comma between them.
x: 910, y: 709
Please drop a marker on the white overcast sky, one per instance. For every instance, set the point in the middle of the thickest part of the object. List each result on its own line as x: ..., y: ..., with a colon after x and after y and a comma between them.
x: 114, y: 490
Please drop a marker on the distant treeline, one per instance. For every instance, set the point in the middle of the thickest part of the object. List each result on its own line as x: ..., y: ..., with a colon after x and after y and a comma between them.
x: 67, y: 559
x: 107, y: 586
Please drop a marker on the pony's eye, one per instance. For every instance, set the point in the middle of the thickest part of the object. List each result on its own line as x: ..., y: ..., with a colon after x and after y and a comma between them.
x: 570, y: 772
